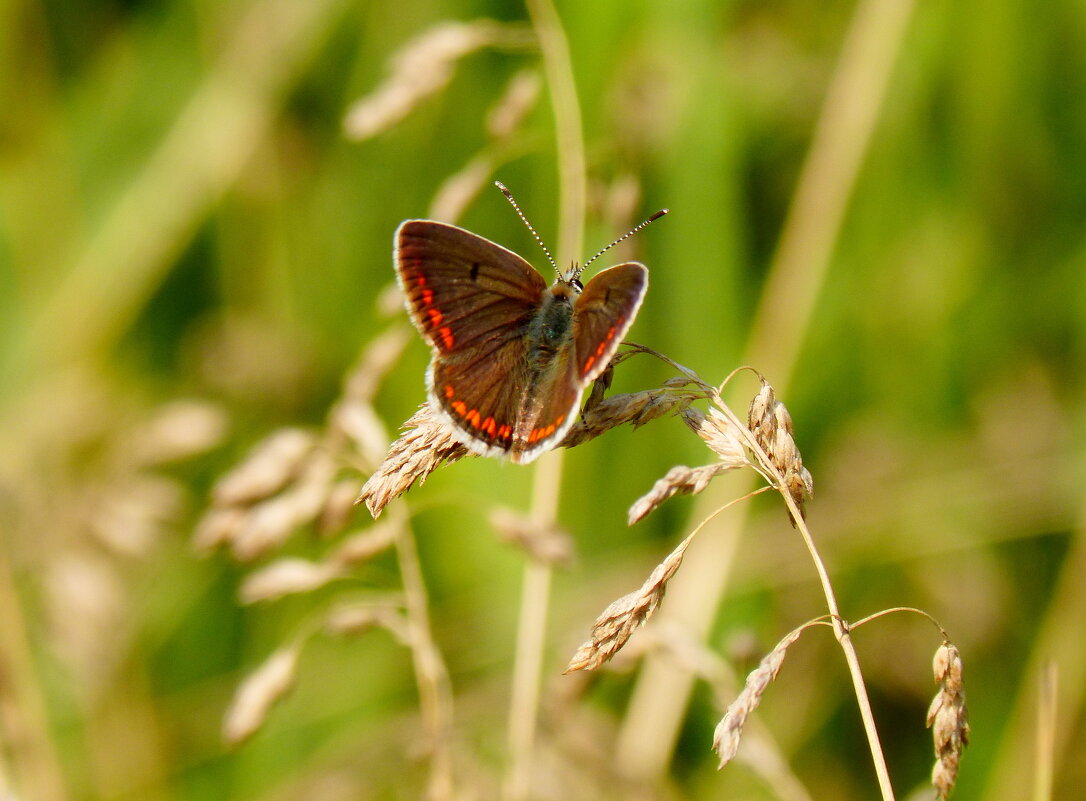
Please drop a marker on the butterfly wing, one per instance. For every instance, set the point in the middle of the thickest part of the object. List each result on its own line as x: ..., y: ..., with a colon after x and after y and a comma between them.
x: 603, y: 314
x: 462, y: 289
x: 472, y: 300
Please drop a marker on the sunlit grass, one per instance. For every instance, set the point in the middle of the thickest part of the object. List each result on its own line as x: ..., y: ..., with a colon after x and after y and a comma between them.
x: 181, y: 217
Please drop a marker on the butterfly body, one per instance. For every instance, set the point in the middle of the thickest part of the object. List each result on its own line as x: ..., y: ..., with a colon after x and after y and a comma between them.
x: 510, y: 355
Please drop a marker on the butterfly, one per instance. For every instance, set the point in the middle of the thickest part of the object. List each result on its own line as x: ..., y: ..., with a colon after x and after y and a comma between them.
x: 510, y: 355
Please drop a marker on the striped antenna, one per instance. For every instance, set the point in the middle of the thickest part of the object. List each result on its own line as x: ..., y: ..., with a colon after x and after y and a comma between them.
x: 627, y: 235
x: 513, y: 202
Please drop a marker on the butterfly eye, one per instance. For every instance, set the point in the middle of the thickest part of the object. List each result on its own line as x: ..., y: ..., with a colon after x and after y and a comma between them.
x: 576, y: 284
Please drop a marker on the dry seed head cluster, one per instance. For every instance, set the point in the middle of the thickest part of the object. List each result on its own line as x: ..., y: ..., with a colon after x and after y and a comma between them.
x: 545, y: 544
x: 769, y: 421
x: 679, y: 480
x: 614, y: 627
x: 423, y: 67
x: 948, y: 719
x: 426, y: 444
x: 730, y: 729
x: 721, y: 437
x: 636, y: 408
x: 258, y: 693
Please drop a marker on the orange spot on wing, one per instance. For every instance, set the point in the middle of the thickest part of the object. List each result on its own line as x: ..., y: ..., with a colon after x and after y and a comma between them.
x: 427, y: 296
x: 473, y: 417
x: 446, y: 337
x: 588, y: 364
x: 449, y: 391
x: 489, y: 426
x: 561, y: 419
x: 460, y: 408
x: 435, y: 317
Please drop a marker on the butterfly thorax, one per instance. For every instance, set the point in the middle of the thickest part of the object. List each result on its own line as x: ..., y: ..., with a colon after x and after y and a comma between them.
x: 551, y: 326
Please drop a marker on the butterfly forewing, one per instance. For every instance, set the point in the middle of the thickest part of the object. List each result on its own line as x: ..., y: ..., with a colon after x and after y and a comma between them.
x: 603, y: 314
x: 462, y: 289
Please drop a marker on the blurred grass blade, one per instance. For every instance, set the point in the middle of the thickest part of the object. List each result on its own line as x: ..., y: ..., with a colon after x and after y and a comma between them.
x: 127, y: 257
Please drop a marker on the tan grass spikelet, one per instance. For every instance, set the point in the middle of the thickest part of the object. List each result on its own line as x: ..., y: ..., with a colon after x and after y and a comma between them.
x: 614, y: 627
x: 218, y: 526
x: 258, y: 693
x: 426, y: 444
x: 519, y: 98
x: 179, y: 430
x: 425, y: 66
x: 719, y: 433
x: 272, y: 521
x: 353, y: 619
x: 730, y: 729
x: 771, y: 425
x: 546, y: 544
x: 948, y: 719
x: 679, y: 480
x: 293, y: 575
x: 267, y: 469
x: 636, y: 408
x: 339, y: 507
x: 286, y: 577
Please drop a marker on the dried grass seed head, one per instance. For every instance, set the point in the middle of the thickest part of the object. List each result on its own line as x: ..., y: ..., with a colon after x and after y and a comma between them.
x: 545, y: 544
x: 426, y: 444
x: 679, y: 480
x: 948, y: 718
x: 267, y: 469
x: 614, y: 627
x: 425, y: 66
x: 258, y: 693
x: 771, y: 424
x: 729, y: 730
x: 719, y: 433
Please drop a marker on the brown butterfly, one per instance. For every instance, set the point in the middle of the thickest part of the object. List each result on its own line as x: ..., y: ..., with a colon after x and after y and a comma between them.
x: 511, y: 356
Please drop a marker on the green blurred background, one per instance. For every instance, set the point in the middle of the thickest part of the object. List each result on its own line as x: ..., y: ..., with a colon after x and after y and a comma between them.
x: 182, y: 219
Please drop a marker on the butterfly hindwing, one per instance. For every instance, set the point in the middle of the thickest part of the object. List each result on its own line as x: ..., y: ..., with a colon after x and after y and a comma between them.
x: 548, y: 408
x: 480, y: 393
x: 462, y: 289
x: 603, y: 314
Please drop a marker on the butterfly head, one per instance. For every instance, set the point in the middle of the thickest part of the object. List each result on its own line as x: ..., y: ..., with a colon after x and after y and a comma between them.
x: 571, y: 281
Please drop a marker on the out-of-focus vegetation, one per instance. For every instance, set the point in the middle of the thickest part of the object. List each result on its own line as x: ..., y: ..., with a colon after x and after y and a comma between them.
x: 193, y: 254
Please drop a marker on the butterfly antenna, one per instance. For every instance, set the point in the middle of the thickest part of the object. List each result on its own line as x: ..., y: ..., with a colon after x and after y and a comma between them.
x: 513, y: 202
x: 626, y: 235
